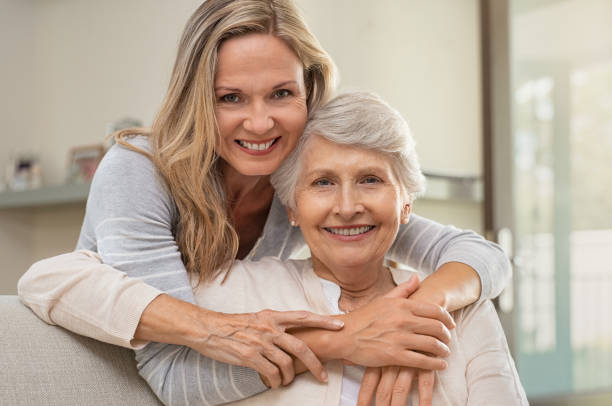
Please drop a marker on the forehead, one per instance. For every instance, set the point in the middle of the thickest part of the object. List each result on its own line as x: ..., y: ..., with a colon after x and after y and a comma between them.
x: 252, y: 55
x: 322, y: 155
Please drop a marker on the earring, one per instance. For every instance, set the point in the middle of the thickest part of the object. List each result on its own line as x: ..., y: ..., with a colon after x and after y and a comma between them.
x: 293, y: 223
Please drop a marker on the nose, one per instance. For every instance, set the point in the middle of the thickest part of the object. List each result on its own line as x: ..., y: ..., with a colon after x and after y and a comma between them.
x: 348, y: 202
x: 258, y: 120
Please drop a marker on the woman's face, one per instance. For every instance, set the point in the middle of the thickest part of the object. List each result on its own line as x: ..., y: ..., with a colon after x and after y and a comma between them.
x: 260, y: 102
x: 349, y: 204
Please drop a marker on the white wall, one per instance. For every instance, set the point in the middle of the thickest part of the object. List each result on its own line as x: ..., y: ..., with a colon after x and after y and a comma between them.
x: 70, y: 67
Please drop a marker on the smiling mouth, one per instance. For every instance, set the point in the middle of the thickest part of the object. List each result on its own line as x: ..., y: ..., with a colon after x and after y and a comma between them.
x: 349, y: 231
x: 257, y: 146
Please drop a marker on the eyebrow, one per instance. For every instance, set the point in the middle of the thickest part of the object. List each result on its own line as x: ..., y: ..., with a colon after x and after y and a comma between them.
x: 237, y: 90
x: 322, y: 171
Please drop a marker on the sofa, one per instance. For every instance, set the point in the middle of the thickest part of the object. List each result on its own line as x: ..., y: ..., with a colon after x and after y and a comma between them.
x: 47, y: 365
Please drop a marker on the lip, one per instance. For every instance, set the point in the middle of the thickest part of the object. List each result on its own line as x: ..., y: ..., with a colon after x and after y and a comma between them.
x: 264, y: 152
x: 350, y: 238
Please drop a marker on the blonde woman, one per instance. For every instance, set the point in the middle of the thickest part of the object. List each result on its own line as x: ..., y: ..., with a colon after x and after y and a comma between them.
x: 179, y: 202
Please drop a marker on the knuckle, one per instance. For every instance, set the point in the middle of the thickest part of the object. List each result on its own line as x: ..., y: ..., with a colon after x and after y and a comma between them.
x: 383, y: 395
x: 286, y: 362
x: 300, y: 347
x: 249, y: 353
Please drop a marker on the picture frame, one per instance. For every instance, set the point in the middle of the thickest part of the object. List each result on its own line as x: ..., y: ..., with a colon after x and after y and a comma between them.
x: 83, y: 162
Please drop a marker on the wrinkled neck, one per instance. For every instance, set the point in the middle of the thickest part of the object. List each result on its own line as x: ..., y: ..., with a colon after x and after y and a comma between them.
x: 359, y: 285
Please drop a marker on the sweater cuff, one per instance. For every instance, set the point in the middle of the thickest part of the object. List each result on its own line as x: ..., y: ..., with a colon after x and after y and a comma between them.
x: 128, y: 310
x: 248, y: 380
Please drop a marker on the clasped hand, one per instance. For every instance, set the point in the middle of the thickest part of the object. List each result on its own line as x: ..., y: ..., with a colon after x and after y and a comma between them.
x: 391, y: 385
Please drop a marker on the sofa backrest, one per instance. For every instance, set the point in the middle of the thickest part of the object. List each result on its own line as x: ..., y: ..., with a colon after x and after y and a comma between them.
x: 47, y: 365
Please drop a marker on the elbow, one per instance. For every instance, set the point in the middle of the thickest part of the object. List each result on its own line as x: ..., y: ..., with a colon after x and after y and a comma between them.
x: 502, y: 271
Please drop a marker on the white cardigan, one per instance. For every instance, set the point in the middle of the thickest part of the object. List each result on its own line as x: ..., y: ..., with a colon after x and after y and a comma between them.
x: 480, y: 369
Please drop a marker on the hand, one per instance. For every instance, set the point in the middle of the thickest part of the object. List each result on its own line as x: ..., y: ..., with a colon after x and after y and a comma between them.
x: 392, y: 386
x: 259, y: 341
x: 393, y: 330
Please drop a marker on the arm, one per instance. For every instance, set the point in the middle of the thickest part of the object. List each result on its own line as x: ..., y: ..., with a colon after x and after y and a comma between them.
x: 129, y: 221
x: 467, y: 267
x: 490, y: 371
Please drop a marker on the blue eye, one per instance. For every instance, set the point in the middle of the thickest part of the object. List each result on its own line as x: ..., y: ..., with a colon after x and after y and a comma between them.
x: 322, y: 182
x: 230, y: 98
x: 371, y: 180
x: 281, y: 94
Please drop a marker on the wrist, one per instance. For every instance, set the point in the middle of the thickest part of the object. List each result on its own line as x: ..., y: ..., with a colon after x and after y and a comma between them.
x: 431, y: 294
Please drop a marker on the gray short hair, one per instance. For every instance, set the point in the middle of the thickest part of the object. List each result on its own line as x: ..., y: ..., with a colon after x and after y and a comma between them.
x: 362, y: 120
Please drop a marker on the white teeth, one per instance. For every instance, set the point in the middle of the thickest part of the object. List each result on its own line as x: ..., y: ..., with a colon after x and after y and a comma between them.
x: 349, y: 231
x: 256, y: 147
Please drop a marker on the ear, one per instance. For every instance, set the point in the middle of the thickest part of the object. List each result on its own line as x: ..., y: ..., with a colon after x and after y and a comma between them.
x: 291, y: 215
x: 405, y: 213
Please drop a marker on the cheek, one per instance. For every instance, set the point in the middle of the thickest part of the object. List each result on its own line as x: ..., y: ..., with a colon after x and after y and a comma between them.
x: 224, y: 122
x: 312, y: 210
x: 295, y: 120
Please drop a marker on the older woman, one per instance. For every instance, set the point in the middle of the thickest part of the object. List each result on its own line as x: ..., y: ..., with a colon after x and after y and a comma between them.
x: 185, y: 198
x: 348, y: 186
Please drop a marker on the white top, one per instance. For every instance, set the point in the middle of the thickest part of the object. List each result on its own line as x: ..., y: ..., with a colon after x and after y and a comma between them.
x: 480, y: 369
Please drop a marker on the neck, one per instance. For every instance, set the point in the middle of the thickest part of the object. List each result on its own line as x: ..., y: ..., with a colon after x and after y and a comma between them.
x: 237, y: 185
x: 359, y: 284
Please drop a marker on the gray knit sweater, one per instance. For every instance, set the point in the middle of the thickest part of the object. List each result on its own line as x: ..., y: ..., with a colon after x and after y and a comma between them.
x: 130, y: 221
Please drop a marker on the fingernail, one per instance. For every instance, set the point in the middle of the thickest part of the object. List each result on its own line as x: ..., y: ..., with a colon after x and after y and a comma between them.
x: 338, y: 323
x: 324, y: 376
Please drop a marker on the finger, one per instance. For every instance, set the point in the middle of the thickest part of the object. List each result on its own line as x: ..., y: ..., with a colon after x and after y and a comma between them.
x: 430, y: 327
x: 369, y: 383
x: 426, y: 344
x: 292, y: 319
x: 402, y: 387
x: 415, y: 359
x: 385, y: 386
x: 301, y: 351
x: 426, y: 384
x: 270, y: 373
x: 433, y: 311
x: 403, y: 290
x: 282, y: 361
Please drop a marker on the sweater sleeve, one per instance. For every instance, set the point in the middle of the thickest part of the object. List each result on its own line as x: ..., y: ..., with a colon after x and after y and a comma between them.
x: 59, y: 290
x: 490, y: 371
x: 426, y: 245
x: 129, y: 221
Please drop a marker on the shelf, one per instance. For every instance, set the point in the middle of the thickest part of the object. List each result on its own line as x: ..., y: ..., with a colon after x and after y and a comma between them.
x: 45, y: 196
x: 453, y: 188
x: 439, y: 187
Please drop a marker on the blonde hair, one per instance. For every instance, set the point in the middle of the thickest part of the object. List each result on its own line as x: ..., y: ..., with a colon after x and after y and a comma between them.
x: 362, y: 120
x: 184, y: 135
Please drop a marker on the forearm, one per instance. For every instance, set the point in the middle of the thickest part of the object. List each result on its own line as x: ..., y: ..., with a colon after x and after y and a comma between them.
x: 453, y: 286
x: 426, y: 245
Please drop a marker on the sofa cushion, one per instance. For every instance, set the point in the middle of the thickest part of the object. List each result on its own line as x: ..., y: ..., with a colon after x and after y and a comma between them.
x: 48, y: 365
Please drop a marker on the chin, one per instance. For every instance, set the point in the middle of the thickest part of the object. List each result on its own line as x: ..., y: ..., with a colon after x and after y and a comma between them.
x: 258, y: 169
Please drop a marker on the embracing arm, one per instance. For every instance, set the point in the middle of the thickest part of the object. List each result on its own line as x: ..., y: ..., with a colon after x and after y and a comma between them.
x: 129, y: 222
x: 467, y: 267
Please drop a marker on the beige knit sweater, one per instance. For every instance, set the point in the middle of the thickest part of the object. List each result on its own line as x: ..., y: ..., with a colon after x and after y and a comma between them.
x: 480, y: 372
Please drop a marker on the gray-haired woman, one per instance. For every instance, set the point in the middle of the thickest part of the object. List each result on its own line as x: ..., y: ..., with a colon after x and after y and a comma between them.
x: 348, y: 185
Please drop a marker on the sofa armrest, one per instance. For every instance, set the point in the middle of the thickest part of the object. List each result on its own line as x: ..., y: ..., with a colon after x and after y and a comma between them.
x: 43, y: 364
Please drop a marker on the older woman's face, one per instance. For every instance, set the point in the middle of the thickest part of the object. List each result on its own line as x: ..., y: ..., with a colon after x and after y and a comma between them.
x: 349, y: 204
x: 260, y: 102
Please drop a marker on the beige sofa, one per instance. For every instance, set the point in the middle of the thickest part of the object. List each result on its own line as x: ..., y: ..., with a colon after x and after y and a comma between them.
x: 47, y: 365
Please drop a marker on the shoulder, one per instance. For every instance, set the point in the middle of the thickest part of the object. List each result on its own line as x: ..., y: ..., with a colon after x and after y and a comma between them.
x: 127, y: 181
x: 122, y: 161
x: 268, y: 273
